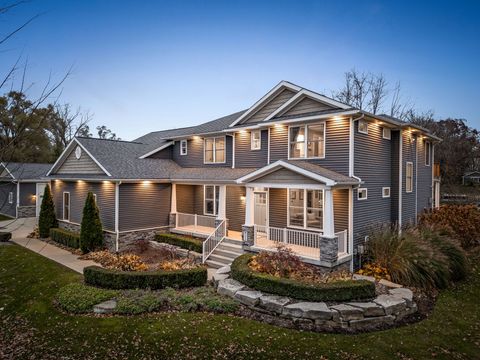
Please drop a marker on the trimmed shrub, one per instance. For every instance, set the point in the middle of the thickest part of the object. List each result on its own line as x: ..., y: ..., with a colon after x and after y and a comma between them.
x: 47, y: 218
x: 461, y: 221
x: 78, y: 298
x: 91, y: 232
x: 112, y: 279
x: 5, y: 236
x: 65, y: 237
x: 180, y: 241
x: 344, y: 290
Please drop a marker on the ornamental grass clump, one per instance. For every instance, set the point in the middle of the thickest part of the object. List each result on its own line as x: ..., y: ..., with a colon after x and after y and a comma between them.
x: 121, y: 262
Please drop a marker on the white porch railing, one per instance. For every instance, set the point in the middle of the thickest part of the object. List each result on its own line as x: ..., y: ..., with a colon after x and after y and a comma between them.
x: 213, y: 240
x: 195, y: 222
x: 304, y: 243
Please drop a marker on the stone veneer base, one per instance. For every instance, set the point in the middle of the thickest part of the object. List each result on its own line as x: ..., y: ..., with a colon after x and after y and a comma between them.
x: 26, y: 211
x: 382, y: 312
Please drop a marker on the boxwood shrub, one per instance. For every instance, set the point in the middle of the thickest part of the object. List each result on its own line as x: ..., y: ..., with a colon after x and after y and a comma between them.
x: 114, y: 279
x: 65, y: 237
x: 342, y: 290
x: 5, y: 236
x: 181, y: 241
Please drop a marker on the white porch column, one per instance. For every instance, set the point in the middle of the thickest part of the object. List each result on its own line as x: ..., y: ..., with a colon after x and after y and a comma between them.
x: 222, y: 202
x: 328, y: 218
x: 173, y: 205
x: 249, y: 204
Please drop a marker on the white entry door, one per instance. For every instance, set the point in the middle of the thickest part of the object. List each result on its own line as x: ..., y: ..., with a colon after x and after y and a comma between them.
x: 39, y: 197
x: 260, y: 210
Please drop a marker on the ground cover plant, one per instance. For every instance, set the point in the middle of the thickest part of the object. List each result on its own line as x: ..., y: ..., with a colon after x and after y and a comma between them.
x: 33, y: 327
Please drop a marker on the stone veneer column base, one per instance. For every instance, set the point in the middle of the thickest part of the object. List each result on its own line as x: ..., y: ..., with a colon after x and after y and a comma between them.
x: 26, y: 211
x: 329, y: 250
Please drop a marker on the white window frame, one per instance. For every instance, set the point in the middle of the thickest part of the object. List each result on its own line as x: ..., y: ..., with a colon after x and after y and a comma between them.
x: 214, y: 150
x: 305, y: 227
x: 95, y: 198
x: 252, y: 141
x: 408, y: 180
x: 428, y: 160
x: 386, y: 188
x: 10, y: 197
x: 359, y: 190
x: 388, y: 134
x: 183, y: 147
x: 305, y: 142
x: 69, y: 205
x: 215, y: 209
x: 366, y: 124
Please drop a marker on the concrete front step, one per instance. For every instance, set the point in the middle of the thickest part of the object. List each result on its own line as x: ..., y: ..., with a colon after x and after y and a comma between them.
x: 214, y: 264
x: 230, y: 246
x: 227, y: 253
x: 220, y: 259
x: 232, y: 241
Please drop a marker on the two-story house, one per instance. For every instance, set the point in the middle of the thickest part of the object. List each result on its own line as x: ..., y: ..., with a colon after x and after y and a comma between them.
x: 296, y: 168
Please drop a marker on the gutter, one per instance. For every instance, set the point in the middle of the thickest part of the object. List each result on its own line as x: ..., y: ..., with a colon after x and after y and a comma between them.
x: 117, y: 213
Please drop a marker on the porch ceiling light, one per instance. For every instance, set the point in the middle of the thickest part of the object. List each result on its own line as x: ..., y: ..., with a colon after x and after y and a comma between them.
x: 146, y: 183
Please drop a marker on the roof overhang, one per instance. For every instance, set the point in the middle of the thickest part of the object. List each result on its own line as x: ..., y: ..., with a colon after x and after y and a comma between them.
x: 8, y: 171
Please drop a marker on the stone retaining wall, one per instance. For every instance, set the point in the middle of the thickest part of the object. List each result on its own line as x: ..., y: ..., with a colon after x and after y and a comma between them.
x: 26, y: 211
x: 382, y: 312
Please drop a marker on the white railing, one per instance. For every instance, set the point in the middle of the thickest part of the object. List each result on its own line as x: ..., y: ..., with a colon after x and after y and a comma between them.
x: 213, y: 240
x: 304, y: 243
x: 194, y: 222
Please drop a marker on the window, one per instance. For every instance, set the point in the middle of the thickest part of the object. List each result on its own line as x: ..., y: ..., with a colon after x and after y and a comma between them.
x: 305, y: 208
x: 387, y: 133
x: 307, y: 141
x: 10, y: 197
x: 409, y: 177
x: 256, y: 140
x: 428, y: 153
x: 362, y: 194
x: 183, y: 147
x: 386, y: 192
x: 363, y: 127
x: 214, y: 150
x: 211, y: 196
x: 66, y: 206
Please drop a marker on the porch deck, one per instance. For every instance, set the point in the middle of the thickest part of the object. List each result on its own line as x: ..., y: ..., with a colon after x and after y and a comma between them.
x: 262, y: 242
x: 204, y: 231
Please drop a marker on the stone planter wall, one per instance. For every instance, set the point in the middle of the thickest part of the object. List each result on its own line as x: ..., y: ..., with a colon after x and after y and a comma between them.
x: 382, y: 312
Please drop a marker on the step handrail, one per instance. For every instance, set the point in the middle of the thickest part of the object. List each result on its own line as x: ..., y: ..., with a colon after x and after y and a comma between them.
x: 211, y: 243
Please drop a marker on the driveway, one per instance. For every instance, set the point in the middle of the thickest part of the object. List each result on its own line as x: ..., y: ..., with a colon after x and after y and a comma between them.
x: 20, y: 228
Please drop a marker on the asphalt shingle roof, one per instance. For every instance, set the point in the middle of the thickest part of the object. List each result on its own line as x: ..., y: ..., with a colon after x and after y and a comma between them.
x: 28, y: 171
x: 319, y: 170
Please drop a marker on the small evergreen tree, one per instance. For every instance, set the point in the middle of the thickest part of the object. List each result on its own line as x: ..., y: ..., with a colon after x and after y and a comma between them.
x: 47, y: 218
x: 91, y: 233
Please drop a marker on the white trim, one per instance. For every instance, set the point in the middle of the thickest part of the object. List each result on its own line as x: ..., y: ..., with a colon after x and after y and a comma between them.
x: 69, y: 206
x: 305, y: 126
x: 259, y: 139
x: 268, y: 145
x: 117, y: 213
x: 383, y: 192
x: 233, y: 150
x: 183, y: 141
x: 406, y: 183
x: 215, y: 210
x: 400, y: 179
x: 350, y: 225
x: 267, y: 97
x: 10, y: 197
x: 351, y: 148
x: 278, y: 164
x: 389, y: 136
x: 18, y: 199
x: 267, y: 205
x: 433, y: 179
x: 429, y: 143
x: 362, y: 122
x: 416, y: 178
x: 164, y: 146
x: 8, y: 171
x: 359, y: 190
x: 214, y: 150
x: 289, y: 186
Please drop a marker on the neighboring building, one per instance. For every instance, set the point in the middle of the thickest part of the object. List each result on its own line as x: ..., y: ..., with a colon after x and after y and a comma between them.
x: 297, y: 168
x: 21, y: 188
x: 471, y: 177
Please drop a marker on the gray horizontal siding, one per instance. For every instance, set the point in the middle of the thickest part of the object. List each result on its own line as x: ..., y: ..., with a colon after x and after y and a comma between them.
x: 5, y: 207
x: 194, y: 157
x: 336, y: 145
x: 144, y: 206
x: 340, y: 209
x: 84, y: 165
x: 235, y: 209
x: 277, y: 209
x: 408, y: 199
x: 28, y: 192
x: 424, y: 182
x: 307, y: 105
x: 284, y: 176
x: 395, y: 174
x: 247, y: 158
x: 271, y: 106
x: 105, y: 192
x: 185, y: 199
x: 166, y: 153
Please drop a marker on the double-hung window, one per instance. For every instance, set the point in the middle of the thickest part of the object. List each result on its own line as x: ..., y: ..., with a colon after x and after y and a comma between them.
x: 363, y: 127
x: 256, y: 140
x: 305, y: 208
x: 409, y: 177
x: 66, y: 206
x: 214, y: 150
x: 307, y: 141
x: 10, y: 197
x: 211, y: 197
x: 183, y: 147
x: 428, y: 152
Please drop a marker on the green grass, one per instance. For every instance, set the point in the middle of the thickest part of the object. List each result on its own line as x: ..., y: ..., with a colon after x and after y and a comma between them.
x: 31, y: 326
x: 5, y: 217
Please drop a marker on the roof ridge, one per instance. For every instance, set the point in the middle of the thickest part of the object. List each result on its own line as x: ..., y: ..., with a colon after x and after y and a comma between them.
x: 113, y: 140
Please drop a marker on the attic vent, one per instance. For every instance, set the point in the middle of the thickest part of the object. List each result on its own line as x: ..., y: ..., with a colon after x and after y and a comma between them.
x: 78, y: 152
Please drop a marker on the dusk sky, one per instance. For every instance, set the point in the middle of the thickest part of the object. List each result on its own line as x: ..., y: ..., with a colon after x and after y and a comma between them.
x: 145, y: 66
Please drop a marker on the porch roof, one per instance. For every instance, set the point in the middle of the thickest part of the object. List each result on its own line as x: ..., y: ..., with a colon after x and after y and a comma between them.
x: 303, y: 168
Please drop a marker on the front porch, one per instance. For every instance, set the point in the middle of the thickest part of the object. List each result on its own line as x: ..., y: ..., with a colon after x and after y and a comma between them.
x: 200, y: 226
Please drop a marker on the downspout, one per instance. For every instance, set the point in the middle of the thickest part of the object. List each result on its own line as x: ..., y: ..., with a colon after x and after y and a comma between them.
x: 416, y: 178
x: 18, y: 199
x: 400, y: 175
x: 352, y: 147
x: 117, y: 204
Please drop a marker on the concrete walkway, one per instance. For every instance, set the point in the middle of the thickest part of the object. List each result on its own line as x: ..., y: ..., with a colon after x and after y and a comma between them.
x: 20, y: 228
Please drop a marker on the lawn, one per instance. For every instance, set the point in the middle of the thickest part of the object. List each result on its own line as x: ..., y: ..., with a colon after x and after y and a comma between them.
x: 31, y: 327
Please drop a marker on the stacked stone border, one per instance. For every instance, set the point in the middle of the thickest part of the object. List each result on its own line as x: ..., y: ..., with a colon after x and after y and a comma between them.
x: 382, y: 312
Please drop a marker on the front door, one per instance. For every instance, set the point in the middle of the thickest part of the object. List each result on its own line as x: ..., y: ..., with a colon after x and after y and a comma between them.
x: 260, y: 210
x: 39, y: 197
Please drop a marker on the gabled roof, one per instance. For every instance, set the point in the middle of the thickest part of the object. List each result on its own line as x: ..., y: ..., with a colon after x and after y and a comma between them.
x: 26, y: 171
x: 312, y: 171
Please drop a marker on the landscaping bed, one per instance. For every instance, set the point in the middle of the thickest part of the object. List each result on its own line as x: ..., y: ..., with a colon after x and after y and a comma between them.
x: 185, y: 242
x: 5, y: 236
